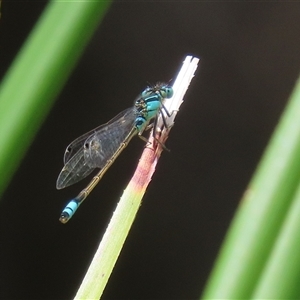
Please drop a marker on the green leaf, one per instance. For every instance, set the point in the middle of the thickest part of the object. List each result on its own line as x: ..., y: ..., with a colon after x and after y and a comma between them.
x: 265, y: 208
x: 38, y: 74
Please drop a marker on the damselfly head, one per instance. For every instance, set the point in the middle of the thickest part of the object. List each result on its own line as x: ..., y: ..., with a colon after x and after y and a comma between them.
x: 166, y: 91
x: 161, y: 89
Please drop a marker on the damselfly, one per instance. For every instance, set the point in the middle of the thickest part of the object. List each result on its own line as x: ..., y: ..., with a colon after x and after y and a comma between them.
x: 100, y: 147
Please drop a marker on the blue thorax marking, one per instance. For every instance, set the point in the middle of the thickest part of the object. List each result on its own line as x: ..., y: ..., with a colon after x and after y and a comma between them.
x: 147, y: 107
x: 150, y: 103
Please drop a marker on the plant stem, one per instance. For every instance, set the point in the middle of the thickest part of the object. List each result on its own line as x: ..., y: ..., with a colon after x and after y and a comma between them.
x: 39, y: 72
x: 262, y: 212
x: 115, y: 235
x: 280, y: 277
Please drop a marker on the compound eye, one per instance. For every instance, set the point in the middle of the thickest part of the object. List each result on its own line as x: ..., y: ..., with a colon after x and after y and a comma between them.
x: 146, y: 93
x: 170, y: 92
x: 167, y: 92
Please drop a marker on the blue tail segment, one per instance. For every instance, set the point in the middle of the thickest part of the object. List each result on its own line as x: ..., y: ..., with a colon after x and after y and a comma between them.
x: 69, y: 211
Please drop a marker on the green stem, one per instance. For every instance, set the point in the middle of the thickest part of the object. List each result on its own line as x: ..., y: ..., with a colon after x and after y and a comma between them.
x: 115, y: 235
x: 262, y: 212
x: 39, y: 72
x: 280, y: 278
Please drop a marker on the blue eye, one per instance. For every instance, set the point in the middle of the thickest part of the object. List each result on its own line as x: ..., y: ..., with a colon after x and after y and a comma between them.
x: 147, y: 92
x: 166, y: 92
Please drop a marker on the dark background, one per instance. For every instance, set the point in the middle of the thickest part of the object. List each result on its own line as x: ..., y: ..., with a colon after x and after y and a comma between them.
x: 250, y: 59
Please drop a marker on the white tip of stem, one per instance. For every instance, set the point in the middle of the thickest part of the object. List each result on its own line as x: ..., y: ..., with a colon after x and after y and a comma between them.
x: 180, y: 87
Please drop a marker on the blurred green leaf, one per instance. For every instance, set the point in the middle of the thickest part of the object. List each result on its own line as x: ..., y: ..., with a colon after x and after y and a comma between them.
x: 262, y: 213
x: 39, y: 72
